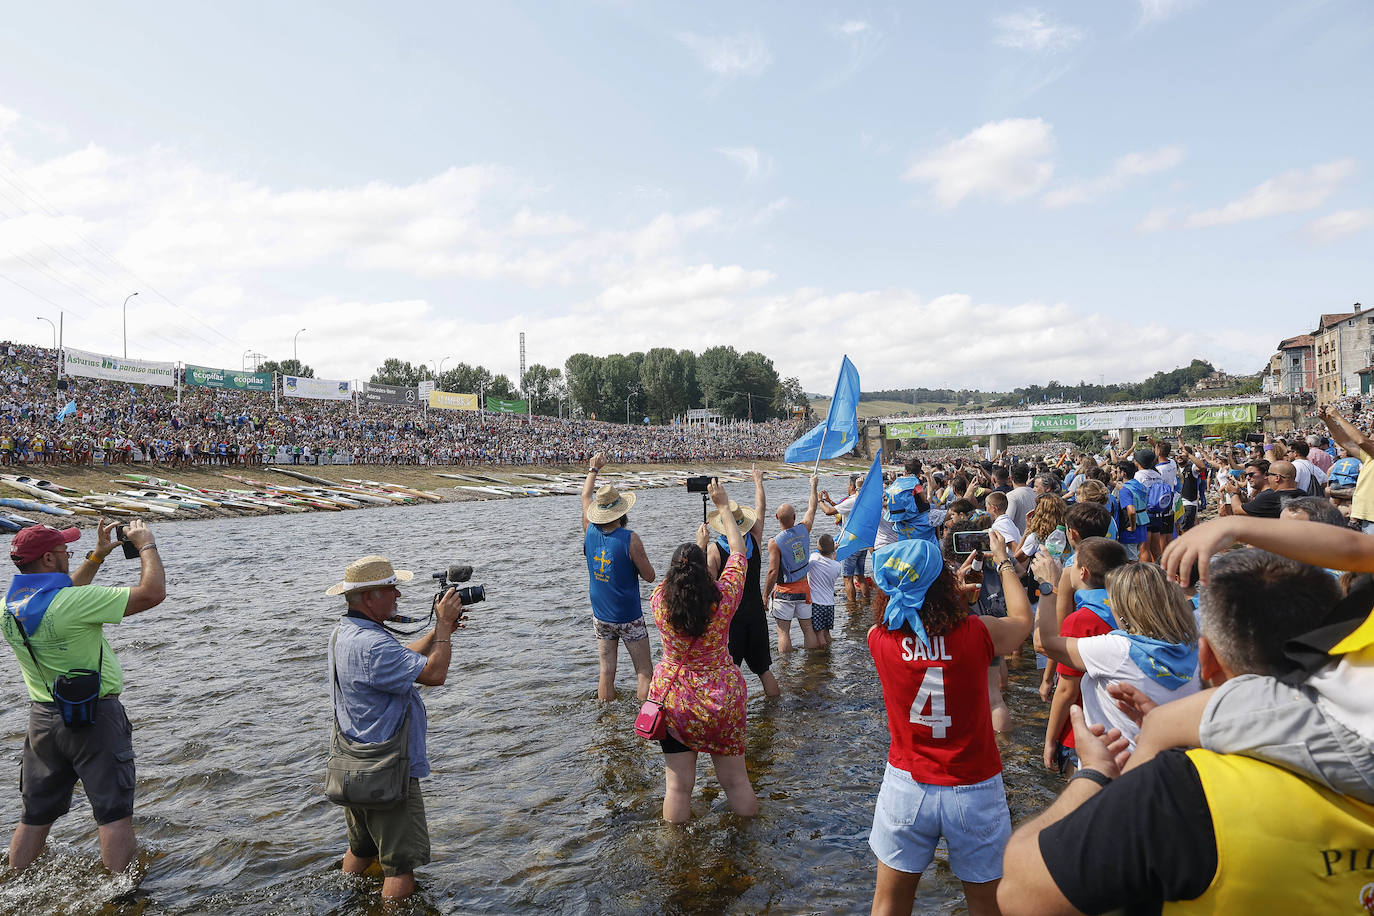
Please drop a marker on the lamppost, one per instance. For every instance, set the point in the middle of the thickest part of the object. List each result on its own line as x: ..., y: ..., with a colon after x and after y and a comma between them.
x: 294, y: 355
x: 632, y: 393
x: 54, y: 330
x: 244, y: 364
x: 440, y: 371
x: 125, y: 309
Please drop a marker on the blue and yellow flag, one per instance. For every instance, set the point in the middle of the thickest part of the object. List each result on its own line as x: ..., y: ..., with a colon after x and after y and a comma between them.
x: 861, y: 527
x: 838, y: 433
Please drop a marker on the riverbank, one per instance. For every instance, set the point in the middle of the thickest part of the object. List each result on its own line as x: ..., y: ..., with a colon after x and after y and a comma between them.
x: 447, y: 483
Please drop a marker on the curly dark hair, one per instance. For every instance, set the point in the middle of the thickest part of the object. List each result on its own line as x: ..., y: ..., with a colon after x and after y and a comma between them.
x: 942, y: 611
x: 689, y: 592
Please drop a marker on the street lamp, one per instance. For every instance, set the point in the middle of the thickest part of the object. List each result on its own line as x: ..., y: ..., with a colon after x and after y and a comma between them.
x: 54, y: 330
x: 632, y: 393
x: 294, y: 355
x: 244, y: 362
x: 125, y: 308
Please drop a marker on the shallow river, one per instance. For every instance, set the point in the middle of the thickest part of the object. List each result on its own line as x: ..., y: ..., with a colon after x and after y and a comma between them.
x: 541, y: 799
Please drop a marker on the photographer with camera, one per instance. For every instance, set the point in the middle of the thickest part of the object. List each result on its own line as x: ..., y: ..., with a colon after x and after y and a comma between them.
x: 616, y: 561
x: 77, y: 726
x: 379, y: 717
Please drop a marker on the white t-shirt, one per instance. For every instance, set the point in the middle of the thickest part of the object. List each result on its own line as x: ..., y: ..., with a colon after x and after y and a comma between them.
x: 846, y: 505
x: 1007, y: 528
x: 1169, y: 471
x: 1306, y: 471
x: 1030, y: 545
x: 820, y: 575
x: 1107, y: 660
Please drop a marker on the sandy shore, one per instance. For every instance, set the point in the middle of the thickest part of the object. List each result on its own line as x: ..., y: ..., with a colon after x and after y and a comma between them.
x: 98, y: 479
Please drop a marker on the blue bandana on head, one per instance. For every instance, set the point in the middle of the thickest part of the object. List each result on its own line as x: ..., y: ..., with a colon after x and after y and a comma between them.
x: 1171, y: 665
x: 905, y: 571
x: 1095, y: 600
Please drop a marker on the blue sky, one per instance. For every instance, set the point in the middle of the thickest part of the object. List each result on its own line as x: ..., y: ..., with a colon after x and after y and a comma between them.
x: 980, y: 195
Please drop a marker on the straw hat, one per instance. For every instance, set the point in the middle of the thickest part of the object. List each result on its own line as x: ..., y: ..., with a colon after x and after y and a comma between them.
x: 369, y: 572
x: 608, y: 505
x: 745, y: 517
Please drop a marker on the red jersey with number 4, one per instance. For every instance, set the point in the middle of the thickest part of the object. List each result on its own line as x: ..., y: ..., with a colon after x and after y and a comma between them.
x: 937, y: 703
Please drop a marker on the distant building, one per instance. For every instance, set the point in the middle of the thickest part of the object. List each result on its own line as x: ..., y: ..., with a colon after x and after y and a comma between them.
x: 1293, y: 369
x: 1343, y: 345
x: 1214, y: 382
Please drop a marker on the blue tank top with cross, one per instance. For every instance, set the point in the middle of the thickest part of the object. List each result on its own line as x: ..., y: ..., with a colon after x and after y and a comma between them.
x: 614, y: 579
x: 794, y: 551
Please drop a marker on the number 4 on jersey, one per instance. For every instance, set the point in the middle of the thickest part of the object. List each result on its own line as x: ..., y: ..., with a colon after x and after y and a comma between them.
x: 933, y: 692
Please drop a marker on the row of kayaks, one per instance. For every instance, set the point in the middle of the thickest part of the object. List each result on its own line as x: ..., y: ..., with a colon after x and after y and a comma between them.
x: 139, y: 494
x: 529, y: 483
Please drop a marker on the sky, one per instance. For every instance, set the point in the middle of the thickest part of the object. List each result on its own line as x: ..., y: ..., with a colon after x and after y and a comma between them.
x: 960, y: 195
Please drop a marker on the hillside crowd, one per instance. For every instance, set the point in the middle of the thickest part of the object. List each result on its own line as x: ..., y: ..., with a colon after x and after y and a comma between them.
x: 117, y: 423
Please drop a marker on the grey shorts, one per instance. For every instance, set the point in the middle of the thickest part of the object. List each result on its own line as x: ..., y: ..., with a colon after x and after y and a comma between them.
x: 1262, y: 718
x: 784, y: 609
x: 633, y: 631
x: 397, y: 837
x: 55, y: 757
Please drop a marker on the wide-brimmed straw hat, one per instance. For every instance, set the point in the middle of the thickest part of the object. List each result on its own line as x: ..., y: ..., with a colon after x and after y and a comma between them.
x: 608, y: 505
x: 745, y: 517
x: 369, y: 572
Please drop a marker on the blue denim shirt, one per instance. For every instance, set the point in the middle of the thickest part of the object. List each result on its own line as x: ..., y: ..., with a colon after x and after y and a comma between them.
x: 376, y: 683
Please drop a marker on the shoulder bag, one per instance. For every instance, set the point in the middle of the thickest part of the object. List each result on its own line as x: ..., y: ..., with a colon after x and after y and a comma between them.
x: 368, y: 776
x: 76, y: 693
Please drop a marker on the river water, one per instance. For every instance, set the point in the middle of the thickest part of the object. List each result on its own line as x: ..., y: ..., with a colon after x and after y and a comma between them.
x: 541, y: 799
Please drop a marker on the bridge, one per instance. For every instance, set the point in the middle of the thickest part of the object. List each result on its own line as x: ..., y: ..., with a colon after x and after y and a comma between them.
x: 1123, y: 418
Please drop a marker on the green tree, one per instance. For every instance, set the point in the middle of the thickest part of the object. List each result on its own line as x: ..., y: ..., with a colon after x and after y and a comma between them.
x: 718, y: 370
x: 759, y: 382
x: 619, y: 393
x: 543, y: 386
x: 582, y: 376
x: 790, y: 395
x: 501, y: 387
x: 287, y: 367
x: 663, y: 379
x: 395, y: 371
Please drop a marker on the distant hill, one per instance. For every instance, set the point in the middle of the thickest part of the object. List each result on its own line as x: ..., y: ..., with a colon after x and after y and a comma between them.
x: 821, y: 407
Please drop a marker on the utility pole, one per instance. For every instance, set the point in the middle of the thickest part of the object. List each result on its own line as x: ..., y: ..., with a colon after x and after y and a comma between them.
x: 125, y: 308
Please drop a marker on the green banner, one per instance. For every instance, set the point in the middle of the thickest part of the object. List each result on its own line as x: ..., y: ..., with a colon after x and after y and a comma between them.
x: 1222, y: 413
x: 228, y: 378
x: 925, y: 429
x: 1054, y: 422
x: 496, y: 405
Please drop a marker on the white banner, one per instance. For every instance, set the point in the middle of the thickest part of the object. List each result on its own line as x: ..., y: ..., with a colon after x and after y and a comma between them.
x: 321, y: 389
x: 1132, y: 419
x: 986, y: 427
x: 119, y: 369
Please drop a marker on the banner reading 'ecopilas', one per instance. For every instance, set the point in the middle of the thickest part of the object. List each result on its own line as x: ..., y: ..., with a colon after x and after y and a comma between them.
x: 320, y: 389
x: 228, y: 378
x: 118, y: 368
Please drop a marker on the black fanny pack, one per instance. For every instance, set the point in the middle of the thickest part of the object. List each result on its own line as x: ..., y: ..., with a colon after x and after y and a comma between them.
x: 76, y: 693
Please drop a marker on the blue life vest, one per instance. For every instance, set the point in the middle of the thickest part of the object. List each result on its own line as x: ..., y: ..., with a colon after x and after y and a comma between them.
x: 614, y: 578
x: 794, y: 553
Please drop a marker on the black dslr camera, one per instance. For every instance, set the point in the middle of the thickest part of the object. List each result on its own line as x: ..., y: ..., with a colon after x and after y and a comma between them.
x: 698, y: 484
x: 452, y: 578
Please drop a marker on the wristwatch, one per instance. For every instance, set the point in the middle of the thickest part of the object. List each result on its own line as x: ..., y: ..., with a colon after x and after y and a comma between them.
x: 1097, y: 776
x: 1046, y: 589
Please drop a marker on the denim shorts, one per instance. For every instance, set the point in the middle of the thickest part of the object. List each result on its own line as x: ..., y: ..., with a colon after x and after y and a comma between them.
x: 910, y: 817
x: 853, y: 565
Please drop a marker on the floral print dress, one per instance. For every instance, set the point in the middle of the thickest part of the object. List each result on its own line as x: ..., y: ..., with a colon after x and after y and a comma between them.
x: 702, y: 690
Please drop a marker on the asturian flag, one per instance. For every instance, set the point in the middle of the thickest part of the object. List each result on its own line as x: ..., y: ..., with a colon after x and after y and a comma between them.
x: 838, y: 433
x: 861, y: 527
x: 67, y: 411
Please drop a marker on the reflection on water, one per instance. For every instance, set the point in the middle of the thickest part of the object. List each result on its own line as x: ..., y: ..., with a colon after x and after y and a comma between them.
x: 541, y: 799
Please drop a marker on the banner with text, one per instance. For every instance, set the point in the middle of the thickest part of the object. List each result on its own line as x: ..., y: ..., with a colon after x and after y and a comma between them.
x: 117, y: 368
x: 228, y: 378
x: 373, y: 393
x: 1148, y: 418
x: 319, y: 389
x: 447, y: 400
x: 496, y: 405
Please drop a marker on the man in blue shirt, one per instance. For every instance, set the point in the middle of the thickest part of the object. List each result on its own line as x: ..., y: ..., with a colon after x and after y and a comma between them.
x: 616, y: 561
x: 373, y: 688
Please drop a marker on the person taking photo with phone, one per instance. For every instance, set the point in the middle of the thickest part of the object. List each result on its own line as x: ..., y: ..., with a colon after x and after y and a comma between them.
x: 54, y: 620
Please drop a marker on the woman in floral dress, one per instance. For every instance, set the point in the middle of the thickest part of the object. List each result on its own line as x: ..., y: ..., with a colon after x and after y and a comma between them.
x: 701, y: 689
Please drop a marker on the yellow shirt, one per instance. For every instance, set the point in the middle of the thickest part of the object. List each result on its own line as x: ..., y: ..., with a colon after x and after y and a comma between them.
x: 1362, y: 506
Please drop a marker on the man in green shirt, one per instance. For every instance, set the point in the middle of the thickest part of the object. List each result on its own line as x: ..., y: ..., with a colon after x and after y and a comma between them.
x: 54, y: 619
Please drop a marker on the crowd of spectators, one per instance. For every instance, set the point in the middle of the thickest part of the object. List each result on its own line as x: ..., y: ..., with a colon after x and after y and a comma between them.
x: 117, y: 423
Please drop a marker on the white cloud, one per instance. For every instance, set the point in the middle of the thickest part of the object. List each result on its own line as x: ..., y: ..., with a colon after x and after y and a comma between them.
x: 1291, y: 192
x: 729, y: 55
x: 8, y: 118
x: 756, y: 164
x: 1152, y: 11
x: 864, y: 42
x: 690, y: 284
x: 1340, y: 224
x: 1030, y: 30
x: 1004, y: 159
x: 1132, y: 165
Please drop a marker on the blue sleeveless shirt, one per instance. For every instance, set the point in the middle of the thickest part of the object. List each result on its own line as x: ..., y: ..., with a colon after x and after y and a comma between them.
x: 614, y: 578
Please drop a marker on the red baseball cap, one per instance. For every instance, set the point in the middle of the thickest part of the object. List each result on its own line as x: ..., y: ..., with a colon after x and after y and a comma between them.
x: 31, y: 543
